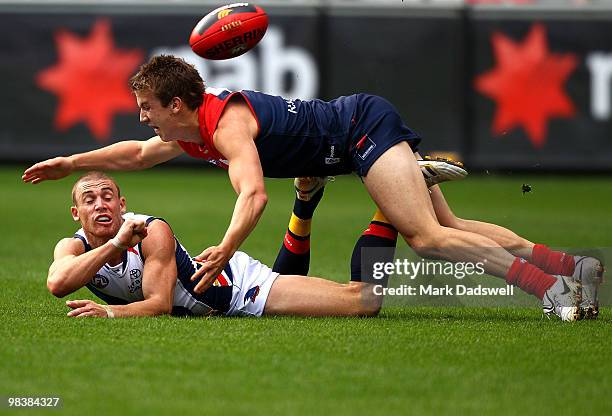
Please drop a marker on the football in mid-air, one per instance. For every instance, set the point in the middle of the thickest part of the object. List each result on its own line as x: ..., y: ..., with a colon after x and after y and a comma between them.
x: 229, y: 31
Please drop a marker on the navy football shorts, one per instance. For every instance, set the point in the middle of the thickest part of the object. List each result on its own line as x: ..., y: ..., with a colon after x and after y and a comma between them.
x: 377, y: 127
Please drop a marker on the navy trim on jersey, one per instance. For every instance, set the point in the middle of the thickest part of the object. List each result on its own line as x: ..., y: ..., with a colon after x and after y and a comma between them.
x: 140, y: 252
x: 147, y: 222
x: 150, y: 220
x: 85, y: 243
x: 223, y: 95
x: 215, y: 297
x: 228, y: 270
x: 181, y: 311
x: 111, y: 300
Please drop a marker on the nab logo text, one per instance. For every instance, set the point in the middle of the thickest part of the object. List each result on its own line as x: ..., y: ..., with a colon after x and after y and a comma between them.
x: 267, y: 68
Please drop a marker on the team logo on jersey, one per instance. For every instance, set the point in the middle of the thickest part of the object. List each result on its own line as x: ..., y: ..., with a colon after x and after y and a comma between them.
x: 135, y: 280
x: 365, y: 147
x: 100, y: 281
x: 251, y: 294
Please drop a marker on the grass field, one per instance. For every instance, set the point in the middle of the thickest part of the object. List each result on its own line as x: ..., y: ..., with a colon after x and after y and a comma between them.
x: 406, y: 361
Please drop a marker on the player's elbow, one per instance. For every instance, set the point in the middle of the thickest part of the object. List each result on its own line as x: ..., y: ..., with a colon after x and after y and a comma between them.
x: 261, y: 199
x: 160, y: 305
x: 56, y: 287
x: 166, y: 308
x: 163, y: 308
x: 258, y: 198
x: 140, y: 161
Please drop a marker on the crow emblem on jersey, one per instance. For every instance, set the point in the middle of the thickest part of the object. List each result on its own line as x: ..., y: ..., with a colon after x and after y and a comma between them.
x: 100, y: 281
x: 136, y: 281
x: 251, y: 294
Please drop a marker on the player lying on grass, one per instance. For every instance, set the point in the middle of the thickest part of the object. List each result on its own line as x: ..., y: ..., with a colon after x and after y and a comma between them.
x: 255, y: 135
x: 136, y: 264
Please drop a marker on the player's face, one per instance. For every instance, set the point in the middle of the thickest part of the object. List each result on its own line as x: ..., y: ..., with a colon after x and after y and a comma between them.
x: 99, y: 207
x: 155, y: 115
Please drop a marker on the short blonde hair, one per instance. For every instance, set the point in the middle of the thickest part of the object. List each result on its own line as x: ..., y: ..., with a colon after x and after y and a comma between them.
x: 93, y: 176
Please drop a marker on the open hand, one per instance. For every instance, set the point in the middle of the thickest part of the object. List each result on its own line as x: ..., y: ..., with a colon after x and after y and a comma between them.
x: 56, y: 168
x: 85, y: 308
x: 213, y: 260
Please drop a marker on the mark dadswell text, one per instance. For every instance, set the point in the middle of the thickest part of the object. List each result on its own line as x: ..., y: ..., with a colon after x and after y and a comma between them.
x: 447, y: 290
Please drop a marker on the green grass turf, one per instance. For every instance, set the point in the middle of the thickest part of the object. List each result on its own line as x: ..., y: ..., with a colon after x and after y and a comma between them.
x: 419, y: 360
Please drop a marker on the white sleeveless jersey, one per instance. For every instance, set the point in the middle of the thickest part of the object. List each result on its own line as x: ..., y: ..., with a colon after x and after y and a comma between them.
x: 241, y: 288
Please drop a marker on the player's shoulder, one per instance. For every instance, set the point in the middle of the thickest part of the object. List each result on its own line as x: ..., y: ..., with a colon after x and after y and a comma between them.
x: 152, y: 222
x: 217, y: 93
x: 157, y: 226
x: 70, y: 246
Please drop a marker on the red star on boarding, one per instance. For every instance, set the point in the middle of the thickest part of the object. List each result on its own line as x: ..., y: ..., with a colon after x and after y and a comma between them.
x: 527, y: 84
x: 90, y: 80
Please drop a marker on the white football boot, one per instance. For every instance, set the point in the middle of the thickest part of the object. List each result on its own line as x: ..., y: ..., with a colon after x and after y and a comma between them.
x: 563, y: 299
x: 306, y: 187
x: 437, y: 170
x: 589, y: 272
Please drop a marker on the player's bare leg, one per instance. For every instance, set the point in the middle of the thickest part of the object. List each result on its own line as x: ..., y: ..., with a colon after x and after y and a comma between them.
x: 396, y: 185
x: 312, y: 296
x: 515, y: 244
x: 586, y: 270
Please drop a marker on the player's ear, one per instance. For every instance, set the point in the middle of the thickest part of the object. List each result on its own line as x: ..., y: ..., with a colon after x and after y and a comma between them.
x: 122, y: 205
x: 176, y: 104
x: 75, y: 213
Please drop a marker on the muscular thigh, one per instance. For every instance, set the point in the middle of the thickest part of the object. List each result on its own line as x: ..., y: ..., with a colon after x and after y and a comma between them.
x: 396, y: 184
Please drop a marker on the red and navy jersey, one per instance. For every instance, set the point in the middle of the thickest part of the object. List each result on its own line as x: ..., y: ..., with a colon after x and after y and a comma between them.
x: 296, y: 137
x: 303, y: 137
x: 209, y: 113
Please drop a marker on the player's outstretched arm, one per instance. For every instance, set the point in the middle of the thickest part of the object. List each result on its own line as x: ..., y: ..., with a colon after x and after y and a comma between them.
x: 235, y: 140
x: 73, y: 268
x: 125, y: 155
x: 158, y: 280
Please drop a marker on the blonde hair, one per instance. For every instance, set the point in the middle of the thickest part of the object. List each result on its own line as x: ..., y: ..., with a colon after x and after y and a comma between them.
x: 93, y: 176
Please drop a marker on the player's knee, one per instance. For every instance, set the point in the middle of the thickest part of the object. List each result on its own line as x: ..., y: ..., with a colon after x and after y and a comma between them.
x: 427, y: 245
x: 450, y: 221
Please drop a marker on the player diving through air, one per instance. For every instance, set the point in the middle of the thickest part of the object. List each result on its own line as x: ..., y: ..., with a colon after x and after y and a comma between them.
x: 252, y: 135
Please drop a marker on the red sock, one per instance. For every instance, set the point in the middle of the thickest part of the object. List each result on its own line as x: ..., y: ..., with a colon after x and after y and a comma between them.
x: 553, y: 262
x: 529, y: 278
